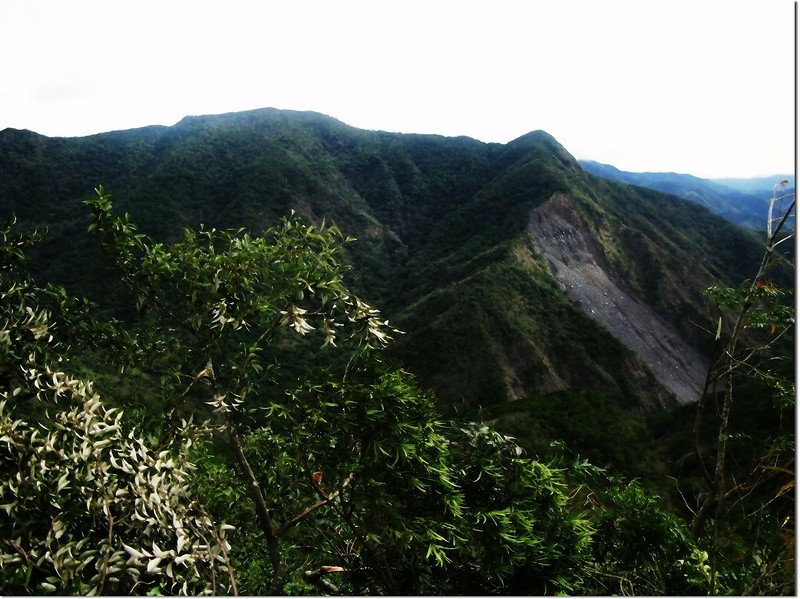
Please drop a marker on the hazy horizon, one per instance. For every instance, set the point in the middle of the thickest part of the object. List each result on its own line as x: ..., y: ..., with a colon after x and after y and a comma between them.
x: 704, y: 88
x: 775, y: 174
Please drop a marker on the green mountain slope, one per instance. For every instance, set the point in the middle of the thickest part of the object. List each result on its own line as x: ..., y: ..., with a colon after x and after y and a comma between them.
x: 459, y: 242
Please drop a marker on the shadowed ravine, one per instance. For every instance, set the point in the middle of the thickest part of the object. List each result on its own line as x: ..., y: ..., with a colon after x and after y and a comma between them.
x: 575, y: 262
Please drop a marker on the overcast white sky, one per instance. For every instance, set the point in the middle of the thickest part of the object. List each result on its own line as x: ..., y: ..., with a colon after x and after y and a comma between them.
x: 697, y: 86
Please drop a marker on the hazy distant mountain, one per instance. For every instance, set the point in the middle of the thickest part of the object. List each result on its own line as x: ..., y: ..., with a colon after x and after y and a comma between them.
x: 743, y: 201
x: 755, y: 185
x: 512, y: 271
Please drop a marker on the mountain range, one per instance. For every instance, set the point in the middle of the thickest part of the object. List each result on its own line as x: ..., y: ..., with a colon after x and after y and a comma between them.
x: 514, y: 270
x: 743, y: 201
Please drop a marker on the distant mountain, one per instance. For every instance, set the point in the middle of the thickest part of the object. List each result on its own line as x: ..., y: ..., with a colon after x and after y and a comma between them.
x: 512, y: 271
x: 755, y: 185
x: 742, y: 201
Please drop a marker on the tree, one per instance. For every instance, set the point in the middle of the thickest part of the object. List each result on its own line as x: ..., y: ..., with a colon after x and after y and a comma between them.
x: 260, y: 367
x: 356, y: 456
x: 215, y: 308
x: 752, y: 321
x: 89, y: 508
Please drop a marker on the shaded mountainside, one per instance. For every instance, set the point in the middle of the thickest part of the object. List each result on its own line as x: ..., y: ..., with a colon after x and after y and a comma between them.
x: 512, y: 271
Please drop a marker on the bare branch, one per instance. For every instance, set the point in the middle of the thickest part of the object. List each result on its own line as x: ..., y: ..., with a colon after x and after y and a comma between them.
x: 310, y: 510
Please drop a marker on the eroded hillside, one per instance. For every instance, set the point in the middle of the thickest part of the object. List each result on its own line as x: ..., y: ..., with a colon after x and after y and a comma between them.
x: 578, y: 265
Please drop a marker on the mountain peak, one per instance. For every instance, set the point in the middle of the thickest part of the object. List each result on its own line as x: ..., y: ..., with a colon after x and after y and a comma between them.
x: 537, y: 136
x: 541, y: 141
x: 258, y: 115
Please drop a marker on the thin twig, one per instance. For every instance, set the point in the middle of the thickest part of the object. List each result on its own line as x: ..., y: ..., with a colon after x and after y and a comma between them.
x: 310, y: 510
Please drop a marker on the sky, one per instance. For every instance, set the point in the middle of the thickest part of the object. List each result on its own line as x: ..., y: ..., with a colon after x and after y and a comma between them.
x: 705, y: 87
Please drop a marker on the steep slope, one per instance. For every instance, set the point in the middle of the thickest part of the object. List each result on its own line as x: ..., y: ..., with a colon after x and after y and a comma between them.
x: 459, y: 242
x: 655, y: 252
x: 578, y: 265
x: 631, y: 264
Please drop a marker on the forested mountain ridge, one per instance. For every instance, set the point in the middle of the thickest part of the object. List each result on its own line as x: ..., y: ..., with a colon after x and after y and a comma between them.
x: 742, y: 201
x: 448, y: 244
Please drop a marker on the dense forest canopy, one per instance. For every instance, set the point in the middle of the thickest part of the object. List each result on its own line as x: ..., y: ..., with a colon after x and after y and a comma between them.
x: 448, y: 241
x: 230, y: 413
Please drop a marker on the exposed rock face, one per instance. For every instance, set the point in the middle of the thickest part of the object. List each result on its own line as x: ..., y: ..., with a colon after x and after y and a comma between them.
x: 577, y: 263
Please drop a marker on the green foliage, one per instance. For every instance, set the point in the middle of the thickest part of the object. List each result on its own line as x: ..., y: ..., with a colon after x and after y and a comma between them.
x: 250, y: 357
x: 370, y: 449
x: 430, y: 212
x: 643, y: 549
x: 89, y: 507
x: 504, y: 329
x: 589, y: 423
x: 522, y: 537
x: 353, y: 471
x: 755, y: 324
x: 218, y: 310
x: 767, y: 305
